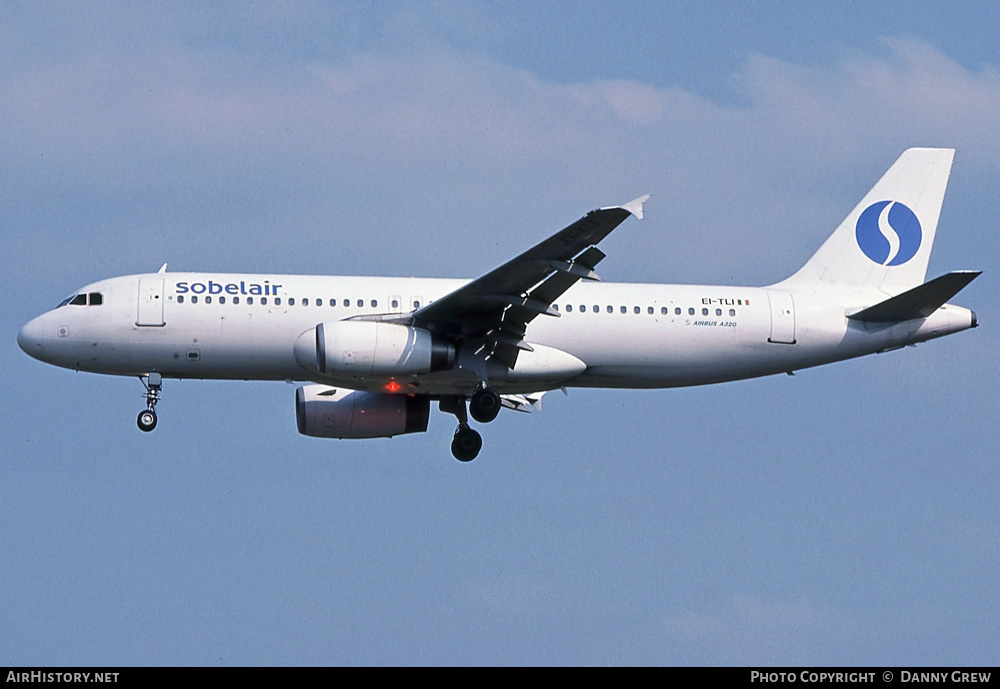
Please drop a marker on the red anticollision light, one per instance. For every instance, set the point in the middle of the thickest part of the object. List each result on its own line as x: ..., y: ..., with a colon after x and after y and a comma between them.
x: 393, y: 386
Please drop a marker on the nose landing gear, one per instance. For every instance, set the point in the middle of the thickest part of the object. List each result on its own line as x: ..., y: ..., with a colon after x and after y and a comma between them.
x: 146, y: 421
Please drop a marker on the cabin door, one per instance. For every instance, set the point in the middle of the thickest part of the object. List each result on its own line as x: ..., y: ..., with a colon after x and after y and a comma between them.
x: 150, y: 310
x: 782, y: 318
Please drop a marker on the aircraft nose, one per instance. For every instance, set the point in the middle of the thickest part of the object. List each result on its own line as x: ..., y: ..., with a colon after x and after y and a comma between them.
x: 29, y: 339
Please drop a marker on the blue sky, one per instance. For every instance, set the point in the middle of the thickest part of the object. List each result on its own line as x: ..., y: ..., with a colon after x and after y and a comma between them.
x: 846, y: 515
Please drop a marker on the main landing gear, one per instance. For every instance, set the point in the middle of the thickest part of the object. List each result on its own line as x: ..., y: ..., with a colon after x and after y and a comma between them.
x: 146, y: 421
x: 466, y: 444
x: 484, y: 405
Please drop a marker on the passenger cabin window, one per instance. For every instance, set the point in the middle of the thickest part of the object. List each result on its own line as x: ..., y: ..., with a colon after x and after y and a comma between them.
x: 333, y: 302
x: 277, y: 301
x: 291, y: 301
x: 305, y: 301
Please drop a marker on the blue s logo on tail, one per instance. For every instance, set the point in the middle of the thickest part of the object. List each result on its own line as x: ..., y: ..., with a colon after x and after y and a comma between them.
x: 888, y: 232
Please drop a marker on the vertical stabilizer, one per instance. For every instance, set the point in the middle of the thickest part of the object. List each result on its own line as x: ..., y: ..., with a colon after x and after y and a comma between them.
x: 885, y: 243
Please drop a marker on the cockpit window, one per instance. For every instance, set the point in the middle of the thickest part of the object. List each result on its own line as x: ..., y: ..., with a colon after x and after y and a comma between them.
x: 94, y: 299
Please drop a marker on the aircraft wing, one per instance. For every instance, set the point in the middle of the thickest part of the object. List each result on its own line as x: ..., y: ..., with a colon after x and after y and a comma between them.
x: 497, y: 307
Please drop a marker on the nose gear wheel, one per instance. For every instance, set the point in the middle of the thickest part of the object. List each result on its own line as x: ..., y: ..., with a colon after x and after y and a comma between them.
x: 146, y: 421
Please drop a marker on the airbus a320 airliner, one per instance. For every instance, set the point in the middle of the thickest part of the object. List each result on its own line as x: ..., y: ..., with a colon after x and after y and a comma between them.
x: 376, y: 351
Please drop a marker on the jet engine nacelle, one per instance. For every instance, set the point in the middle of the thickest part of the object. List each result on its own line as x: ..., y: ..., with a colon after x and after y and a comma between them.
x: 325, y: 412
x: 366, y: 349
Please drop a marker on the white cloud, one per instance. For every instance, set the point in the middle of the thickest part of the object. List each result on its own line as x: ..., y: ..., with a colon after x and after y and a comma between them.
x: 909, y: 92
x: 470, y: 105
x: 446, y: 124
x: 748, y: 630
x: 516, y: 596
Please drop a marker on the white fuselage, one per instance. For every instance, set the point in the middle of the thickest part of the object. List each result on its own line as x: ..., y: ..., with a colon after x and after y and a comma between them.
x: 235, y: 326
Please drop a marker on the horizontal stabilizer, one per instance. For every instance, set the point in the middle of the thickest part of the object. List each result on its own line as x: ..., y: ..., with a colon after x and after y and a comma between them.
x: 919, y: 302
